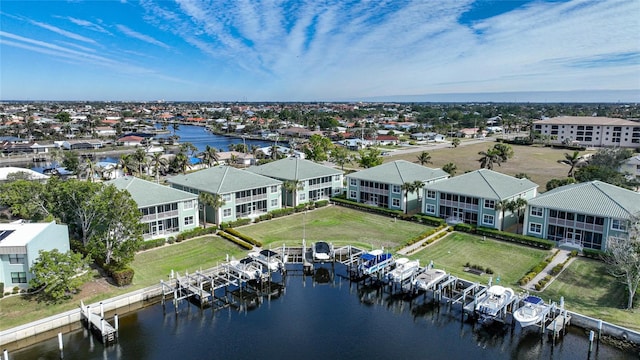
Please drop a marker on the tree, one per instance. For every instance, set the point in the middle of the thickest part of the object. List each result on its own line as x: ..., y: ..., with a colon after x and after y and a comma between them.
x: 573, y: 160
x: 180, y: 163
x: 58, y: 274
x: 127, y: 163
x: 424, y: 158
x: 407, y: 187
x: 369, y: 158
x: 26, y: 199
x: 63, y: 116
x: 623, y: 258
x: 159, y: 164
x: 215, y: 201
x: 522, y: 176
x: 417, y: 188
x: 504, y: 151
x: 87, y: 168
x: 140, y: 158
x: 502, y: 206
x: 318, y: 148
x: 489, y: 158
x: 518, y: 205
x: 175, y: 127
x: 554, y: 183
x: 450, y: 168
x: 455, y: 142
x: 341, y: 156
x: 117, y: 229
x: 210, y: 156
x: 292, y: 187
x: 18, y: 175
x: 71, y: 162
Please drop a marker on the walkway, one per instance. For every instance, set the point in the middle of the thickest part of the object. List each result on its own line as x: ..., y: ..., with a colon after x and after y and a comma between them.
x: 561, y: 257
x: 419, y: 245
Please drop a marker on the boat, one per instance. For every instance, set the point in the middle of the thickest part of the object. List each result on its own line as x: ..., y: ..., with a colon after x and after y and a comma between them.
x: 247, y: 268
x: 429, y: 279
x: 322, y: 251
x: 373, y: 261
x: 268, y: 258
x: 531, y: 312
x: 404, y: 269
x: 493, y: 301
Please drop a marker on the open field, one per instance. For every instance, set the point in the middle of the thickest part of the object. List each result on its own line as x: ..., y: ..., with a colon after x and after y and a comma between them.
x: 589, y: 290
x: 334, y: 224
x: 540, y: 163
x: 508, y: 261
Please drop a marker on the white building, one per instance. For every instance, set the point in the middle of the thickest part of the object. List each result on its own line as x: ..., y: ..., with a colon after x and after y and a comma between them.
x: 590, y: 131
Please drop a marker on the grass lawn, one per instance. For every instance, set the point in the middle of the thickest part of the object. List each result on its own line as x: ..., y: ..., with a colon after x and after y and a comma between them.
x: 540, y: 163
x: 588, y: 289
x: 508, y: 261
x: 334, y: 224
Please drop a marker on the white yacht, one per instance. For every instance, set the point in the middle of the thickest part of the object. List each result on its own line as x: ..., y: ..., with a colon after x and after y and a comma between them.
x: 493, y: 301
x: 531, y: 312
x: 404, y: 269
x: 268, y: 258
x: 429, y: 278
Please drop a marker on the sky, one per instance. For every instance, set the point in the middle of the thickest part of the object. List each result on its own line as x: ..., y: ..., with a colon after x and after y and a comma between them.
x: 317, y: 50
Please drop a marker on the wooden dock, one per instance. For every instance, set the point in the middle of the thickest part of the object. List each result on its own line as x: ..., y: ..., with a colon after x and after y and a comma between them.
x: 558, y: 324
x: 97, y: 324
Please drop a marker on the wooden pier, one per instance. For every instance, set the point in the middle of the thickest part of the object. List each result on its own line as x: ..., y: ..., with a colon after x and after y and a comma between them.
x: 97, y: 324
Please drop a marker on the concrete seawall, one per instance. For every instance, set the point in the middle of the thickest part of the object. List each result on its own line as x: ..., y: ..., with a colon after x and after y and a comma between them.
x: 608, y: 329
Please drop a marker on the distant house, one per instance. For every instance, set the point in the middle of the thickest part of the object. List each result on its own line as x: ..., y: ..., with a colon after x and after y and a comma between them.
x: 382, y: 185
x: 105, y: 131
x: 81, y: 144
x: 165, y: 211
x: 236, y: 158
x: 32, y: 175
x: 20, y: 244
x: 317, y: 182
x: 631, y: 167
x: 130, y: 140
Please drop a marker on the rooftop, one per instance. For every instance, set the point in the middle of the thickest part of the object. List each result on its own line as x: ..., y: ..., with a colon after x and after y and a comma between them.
x: 223, y: 180
x: 586, y: 120
x: 146, y: 193
x: 293, y: 168
x: 484, y: 183
x: 399, y: 172
x: 19, y: 233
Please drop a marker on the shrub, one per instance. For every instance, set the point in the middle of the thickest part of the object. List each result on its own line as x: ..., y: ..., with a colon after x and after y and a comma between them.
x: 171, y: 240
x: 506, y: 236
x: 15, y: 290
x: 369, y: 208
x: 488, y: 271
x: 150, y: 244
x: 593, y: 254
x: 557, y: 269
x: 235, y: 240
x: 322, y: 203
x: 123, y: 277
x: 244, y: 237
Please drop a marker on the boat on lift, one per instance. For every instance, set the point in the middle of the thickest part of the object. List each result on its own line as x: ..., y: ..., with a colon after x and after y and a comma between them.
x: 531, y: 312
x: 373, y: 261
x: 247, y: 268
x: 429, y: 279
x: 322, y: 251
x: 268, y: 258
x: 404, y: 269
x: 492, y: 303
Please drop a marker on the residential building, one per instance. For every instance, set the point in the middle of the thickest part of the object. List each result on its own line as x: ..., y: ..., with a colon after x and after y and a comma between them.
x: 312, y: 181
x: 20, y: 244
x: 245, y: 194
x: 165, y: 211
x: 583, y: 215
x: 590, y: 131
x: 382, y: 185
x: 474, y: 198
x: 631, y: 167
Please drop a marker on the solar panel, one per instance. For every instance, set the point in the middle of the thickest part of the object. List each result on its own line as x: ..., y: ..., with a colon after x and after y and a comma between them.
x: 5, y: 233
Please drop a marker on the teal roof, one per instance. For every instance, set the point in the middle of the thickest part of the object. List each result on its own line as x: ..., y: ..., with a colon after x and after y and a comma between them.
x: 484, y: 183
x: 594, y: 197
x: 146, y: 193
x: 223, y: 180
x: 293, y: 168
x: 399, y: 172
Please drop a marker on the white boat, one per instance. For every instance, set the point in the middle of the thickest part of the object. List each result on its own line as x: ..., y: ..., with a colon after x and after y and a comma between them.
x: 268, y: 258
x: 429, y: 278
x: 247, y: 268
x: 493, y: 301
x: 531, y: 312
x: 404, y: 269
x: 322, y: 251
x: 373, y: 261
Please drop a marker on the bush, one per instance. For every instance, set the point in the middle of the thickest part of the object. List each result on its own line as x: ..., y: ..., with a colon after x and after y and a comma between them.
x: 15, y: 290
x: 593, y: 254
x: 171, y: 240
x: 1, y: 290
x: 428, y: 220
x: 150, y: 244
x: 244, y: 237
x: 321, y: 203
x: 369, y: 208
x: 557, y: 269
x: 235, y: 240
x: 123, y: 277
x: 506, y: 236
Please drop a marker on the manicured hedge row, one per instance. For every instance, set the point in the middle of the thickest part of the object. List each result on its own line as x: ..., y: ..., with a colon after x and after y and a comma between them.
x: 429, y: 220
x: 537, y: 269
x: 150, y: 244
x: 369, y: 208
x: 244, y: 237
x: 421, y: 236
x: 195, y: 232
x: 593, y: 254
x: 235, y: 240
x: 501, y: 235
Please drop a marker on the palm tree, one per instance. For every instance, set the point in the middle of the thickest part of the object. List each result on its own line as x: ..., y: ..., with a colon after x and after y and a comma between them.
x: 88, y: 168
x: 489, y: 158
x: 210, y: 156
x: 214, y: 201
x: 407, y: 187
x: 417, y: 188
x: 450, y: 168
x: 502, y: 206
x: 574, y: 160
x: 518, y: 205
x: 455, y: 142
x: 140, y: 157
x: 274, y: 152
x: 127, y: 164
x: 424, y: 158
x: 292, y: 187
x: 158, y: 164
x: 180, y: 163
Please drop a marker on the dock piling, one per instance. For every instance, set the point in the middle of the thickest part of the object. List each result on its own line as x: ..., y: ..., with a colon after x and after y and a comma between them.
x: 60, y: 344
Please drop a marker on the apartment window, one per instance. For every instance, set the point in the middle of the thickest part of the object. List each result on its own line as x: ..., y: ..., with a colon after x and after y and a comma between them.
x: 353, y: 182
x: 618, y: 225
x: 19, y: 277
x: 535, y: 228
x: 536, y: 211
x: 274, y: 189
x: 302, y: 196
x: 274, y: 202
x: 395, y: 202
x: 336, y: 177
x: 226, y: 212
x: 352, y: 194
x: 487, y: 219
x: 490, y: 204
x: 187, y: 205
x: 188, y: 220
x: 395, y: 189
x: 430, y: 209
x: 431, y: 194
x: 226, y: 197
x: 16, y: 259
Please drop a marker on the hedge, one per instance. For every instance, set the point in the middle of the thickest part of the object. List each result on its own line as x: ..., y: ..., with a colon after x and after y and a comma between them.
x: 235, y: 240
x: 195, y: 232
x: 150, y: 244
x: 537, y: 269
x: 505, y: 236
x: 423, y: 235
x: 429, y: 220
x: 123, y: 277
x: 369, y: 208
x: 239, y: 222
x: 593, y: 254
x: 244, y: 237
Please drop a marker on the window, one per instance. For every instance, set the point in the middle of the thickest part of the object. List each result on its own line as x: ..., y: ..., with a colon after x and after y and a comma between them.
x: 336, y: 177
x: 490, y: 204
x: 226, y: 197
x: 536, y: 211
x: 618, y: 225
x: 396, y: 189
x: 431, y: 209
x: 302, y: 196
x: 274, y: 202
x: 431, y: 194
x: 19, y: 277
x: 352, y: 194
x: 395, y: 202
x: 226, y: 212
x: 535, y: 228
x: 188, y: 220
x: 487, y: 219
x: 16, y: 258
x: 353, y: 182
x: 274, y: 189
x: 188, y: 205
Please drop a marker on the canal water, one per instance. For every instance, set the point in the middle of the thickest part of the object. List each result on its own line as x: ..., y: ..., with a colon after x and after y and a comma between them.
x: 201, y: 137
x: 319, y: 317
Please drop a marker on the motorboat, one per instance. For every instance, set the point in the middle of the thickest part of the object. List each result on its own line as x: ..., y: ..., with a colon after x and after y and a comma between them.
x: 404, y: 269
x: 494, y: 300
x: 268, y: 258
x: 246, y: 268
x: 531, y: 312
x: 322, y: 251
x: 373, y: 261
x: 429, y: 279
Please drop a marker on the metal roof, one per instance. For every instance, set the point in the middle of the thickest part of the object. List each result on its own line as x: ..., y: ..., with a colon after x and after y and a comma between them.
x: 484, y: 183
x: 399, y: 172
x: 293, y: 168
x: 223, y: 180
x: 146, y: 193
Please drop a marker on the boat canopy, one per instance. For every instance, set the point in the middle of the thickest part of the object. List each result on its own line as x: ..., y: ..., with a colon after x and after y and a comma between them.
x: 268, y: 253
x: 533, y: 300
x: 322, y: 247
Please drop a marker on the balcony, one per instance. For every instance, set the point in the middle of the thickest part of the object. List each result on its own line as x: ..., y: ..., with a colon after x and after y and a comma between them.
x: 459, y: 205
x: 371, y: 190
x: 249, y: 199
x: 159, y: 216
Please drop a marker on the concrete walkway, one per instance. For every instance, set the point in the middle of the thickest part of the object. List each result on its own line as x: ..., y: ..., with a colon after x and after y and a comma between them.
x: 561, y: 257
x: 419, y: 245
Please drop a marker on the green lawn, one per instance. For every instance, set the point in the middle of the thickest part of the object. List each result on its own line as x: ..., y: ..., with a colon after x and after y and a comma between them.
x: 508, y: 261
x: 589, y: 290
x: 334, y: 224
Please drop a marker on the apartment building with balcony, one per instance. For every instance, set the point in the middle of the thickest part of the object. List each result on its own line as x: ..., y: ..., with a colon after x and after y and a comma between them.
x: 591, y: 131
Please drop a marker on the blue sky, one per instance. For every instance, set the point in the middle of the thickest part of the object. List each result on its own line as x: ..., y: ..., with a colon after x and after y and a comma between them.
x: 246, y: 50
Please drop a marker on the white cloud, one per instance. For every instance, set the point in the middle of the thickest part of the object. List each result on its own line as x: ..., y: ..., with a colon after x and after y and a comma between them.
x: 62, y: 32
x: 88, y: 24
x: 136, y: 35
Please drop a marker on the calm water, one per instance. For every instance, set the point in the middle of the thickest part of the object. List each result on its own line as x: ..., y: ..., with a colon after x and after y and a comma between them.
x: 339, y: 320
x: 201, y: 137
